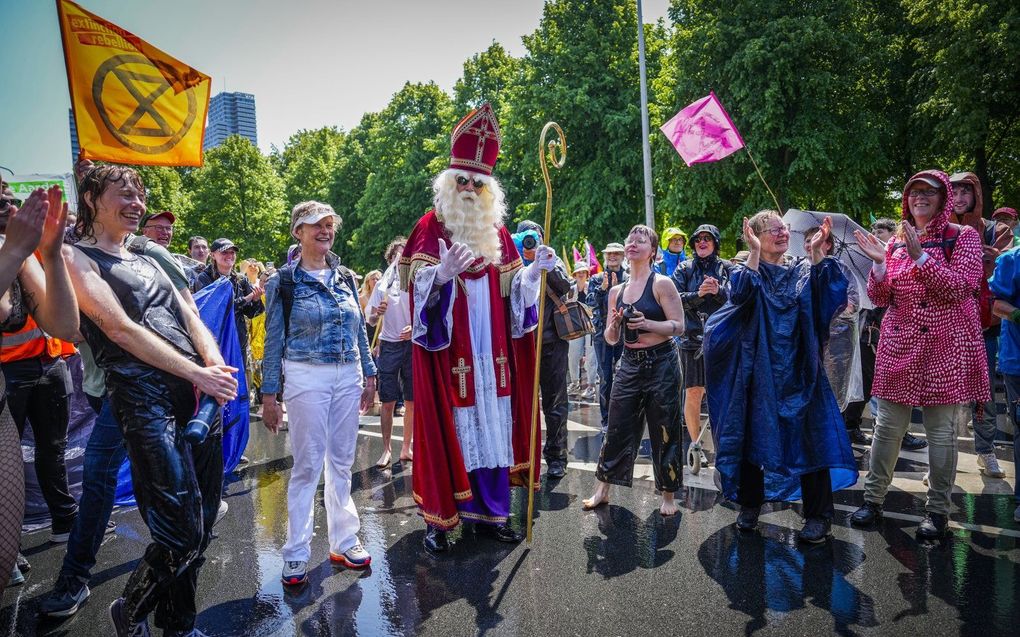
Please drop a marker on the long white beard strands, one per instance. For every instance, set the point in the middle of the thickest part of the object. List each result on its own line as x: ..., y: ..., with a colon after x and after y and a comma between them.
x: 473, y: 219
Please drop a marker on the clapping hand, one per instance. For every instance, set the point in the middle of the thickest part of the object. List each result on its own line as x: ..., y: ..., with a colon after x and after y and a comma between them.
x: 817, y: 245
x: 708, y: 287
x: 750, y: 238
x: 25, y: 225
x: 870, y: 245
x: 913, y: 243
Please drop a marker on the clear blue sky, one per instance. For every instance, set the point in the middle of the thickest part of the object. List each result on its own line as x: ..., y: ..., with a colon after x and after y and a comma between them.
x: 309, y: 63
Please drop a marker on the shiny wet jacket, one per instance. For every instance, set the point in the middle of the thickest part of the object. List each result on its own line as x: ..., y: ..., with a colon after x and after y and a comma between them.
x: 689, y: 276
x: 326, y: 325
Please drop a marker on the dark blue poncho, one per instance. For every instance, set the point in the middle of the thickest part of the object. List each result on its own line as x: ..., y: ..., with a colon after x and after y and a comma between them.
x: 768, y: 398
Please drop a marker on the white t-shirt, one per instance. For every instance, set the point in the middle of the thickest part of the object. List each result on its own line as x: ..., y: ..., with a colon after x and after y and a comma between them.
x: 398, y: 307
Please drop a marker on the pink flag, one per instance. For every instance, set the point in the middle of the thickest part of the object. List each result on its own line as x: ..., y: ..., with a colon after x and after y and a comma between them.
x: 593, y: 261
x: 703, y: 132
x: 577, y: 255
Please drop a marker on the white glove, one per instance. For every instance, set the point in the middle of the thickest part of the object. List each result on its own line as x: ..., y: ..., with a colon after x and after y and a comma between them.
x: 545, y: 259
x: 452, y: 261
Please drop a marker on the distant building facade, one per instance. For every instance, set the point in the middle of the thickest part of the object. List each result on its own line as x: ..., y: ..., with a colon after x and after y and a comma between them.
x: 230, y: 114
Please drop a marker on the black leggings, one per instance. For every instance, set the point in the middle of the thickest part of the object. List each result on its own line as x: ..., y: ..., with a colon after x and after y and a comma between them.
x: 647, y: 387
x: 177, y: 487
x: 816, y: 490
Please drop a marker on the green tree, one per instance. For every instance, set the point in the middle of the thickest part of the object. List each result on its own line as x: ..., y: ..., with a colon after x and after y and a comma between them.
x: 308, y: 163
x: 238, y: 195
x: 407, y: 144
x: 796, y: 77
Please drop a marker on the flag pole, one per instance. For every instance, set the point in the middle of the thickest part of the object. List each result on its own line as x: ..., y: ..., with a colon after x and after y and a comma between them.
x: 557, y: 162
x: 646, y: 151
x: 779, y: 208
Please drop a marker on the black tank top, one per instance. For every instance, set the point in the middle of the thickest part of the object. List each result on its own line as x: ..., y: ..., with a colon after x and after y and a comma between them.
x: 647, y: 304
x: 148, y: 299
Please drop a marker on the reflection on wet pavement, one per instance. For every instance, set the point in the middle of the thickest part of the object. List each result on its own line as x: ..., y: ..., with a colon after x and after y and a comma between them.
x: 620, y: 569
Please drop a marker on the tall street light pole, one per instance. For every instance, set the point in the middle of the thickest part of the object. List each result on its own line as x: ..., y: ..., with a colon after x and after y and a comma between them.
x: 646, y: 150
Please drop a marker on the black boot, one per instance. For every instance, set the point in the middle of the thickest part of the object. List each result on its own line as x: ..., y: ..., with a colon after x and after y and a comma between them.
x: 933, y: 526
x: 748, y: 518
x: 867, y: 514
x: 435, y: 540
x: 912, y: 442
x: 502, y: 533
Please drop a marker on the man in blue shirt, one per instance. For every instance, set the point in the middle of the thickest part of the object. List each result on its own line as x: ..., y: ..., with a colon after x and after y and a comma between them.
x: 1005, y: 285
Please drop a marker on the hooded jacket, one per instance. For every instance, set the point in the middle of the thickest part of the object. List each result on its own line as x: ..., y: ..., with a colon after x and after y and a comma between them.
x: 689, y: 276
x: 993, y: 234
x: 931, y: 351
x: 671, y: 260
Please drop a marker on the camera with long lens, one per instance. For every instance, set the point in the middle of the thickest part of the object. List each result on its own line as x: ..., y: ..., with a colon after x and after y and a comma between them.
x: 527, y: 240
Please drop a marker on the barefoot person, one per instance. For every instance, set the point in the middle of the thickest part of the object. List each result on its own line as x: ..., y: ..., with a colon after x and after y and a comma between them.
x: 648, y: 384
x: 775, y: 421
x: 156, y: 353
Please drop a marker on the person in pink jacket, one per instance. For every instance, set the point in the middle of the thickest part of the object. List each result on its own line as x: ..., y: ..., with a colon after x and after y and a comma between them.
x: 930, y: 353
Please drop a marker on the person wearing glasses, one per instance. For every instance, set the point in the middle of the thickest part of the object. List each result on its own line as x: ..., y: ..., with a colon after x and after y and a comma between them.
x: 776, y: 425
x: 931, y: 353
x: 703, y: 283
x: 39, y: 286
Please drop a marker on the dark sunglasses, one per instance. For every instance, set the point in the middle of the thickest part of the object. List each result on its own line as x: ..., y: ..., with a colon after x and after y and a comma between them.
x: 703, y: 239
x: 7, y: 203
x: 463, y: 181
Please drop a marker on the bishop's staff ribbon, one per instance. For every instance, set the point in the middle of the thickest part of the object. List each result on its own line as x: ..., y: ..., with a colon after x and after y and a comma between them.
x: 547, y: 156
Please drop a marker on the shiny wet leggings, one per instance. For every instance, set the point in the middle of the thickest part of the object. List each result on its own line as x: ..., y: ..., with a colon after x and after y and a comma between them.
x: 177, y: 487
x: 647, y: 388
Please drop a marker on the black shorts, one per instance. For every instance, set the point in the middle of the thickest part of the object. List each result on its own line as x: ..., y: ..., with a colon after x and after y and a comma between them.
x: 394, y: 369
x: 693, y: 365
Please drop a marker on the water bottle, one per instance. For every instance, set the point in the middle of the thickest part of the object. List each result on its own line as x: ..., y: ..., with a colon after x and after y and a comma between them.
x: 630, y: 335
x: 198, y: 426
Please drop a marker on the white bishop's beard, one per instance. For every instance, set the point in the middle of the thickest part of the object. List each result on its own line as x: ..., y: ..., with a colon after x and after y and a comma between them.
x: 472, y: 218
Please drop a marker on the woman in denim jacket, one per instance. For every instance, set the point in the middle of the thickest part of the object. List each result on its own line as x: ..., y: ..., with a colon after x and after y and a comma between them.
x: 315, y: 331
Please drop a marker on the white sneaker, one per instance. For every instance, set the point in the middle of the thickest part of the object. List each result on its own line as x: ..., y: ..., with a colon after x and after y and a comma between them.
x: 222, y: 511
x: 989, y: 465
x: 924, y: 479
x: 294, y: 573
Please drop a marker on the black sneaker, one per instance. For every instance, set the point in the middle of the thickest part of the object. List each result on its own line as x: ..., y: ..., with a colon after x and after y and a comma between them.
x: 858, y: 437
x: 815, y: 530
x: 913, y: 443
x: 557, y: 469
x: 867, y: 514
x: 747, y: 520
x: 122, y: 625
x: 67, y: 596
x: 933, y: 526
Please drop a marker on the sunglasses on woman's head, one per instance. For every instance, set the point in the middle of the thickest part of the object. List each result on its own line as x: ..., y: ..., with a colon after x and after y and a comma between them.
x: 463, y: 181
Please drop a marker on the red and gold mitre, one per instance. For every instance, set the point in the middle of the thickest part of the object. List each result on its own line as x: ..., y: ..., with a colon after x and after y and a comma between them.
x: 474, y: 144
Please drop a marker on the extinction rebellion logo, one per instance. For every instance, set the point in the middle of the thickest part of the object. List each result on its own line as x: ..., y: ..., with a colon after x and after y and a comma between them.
x: 149, y: 118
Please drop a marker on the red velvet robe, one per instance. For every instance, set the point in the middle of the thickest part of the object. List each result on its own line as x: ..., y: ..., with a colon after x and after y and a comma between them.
x: 440, y: 479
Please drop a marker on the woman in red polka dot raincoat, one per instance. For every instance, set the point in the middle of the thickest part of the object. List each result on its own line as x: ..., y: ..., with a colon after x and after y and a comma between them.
x: 930, y: 351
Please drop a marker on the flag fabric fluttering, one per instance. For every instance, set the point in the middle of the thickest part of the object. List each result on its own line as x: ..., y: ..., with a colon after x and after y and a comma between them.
x: 577, y: 255
x: 133, y: 103
x: 703, y: 132
x: 593, y: 260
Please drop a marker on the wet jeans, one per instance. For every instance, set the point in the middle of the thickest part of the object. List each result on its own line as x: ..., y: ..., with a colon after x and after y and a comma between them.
x: 647, y: 389
x: 1013, y: 410
x: 104, y: 454
x: 940, y: 426
x: 177, y: 486
x: 607, y: 356
x: 38, y: 392
x: 986, y: 426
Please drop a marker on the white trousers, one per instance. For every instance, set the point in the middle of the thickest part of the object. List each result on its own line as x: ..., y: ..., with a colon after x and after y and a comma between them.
x: 322, y: 406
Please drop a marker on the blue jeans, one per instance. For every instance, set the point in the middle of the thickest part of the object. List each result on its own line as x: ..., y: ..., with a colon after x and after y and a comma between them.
x: 1013, y: 410
x: 607, y: 356
x: 104, y: 454
x: 985, y: 428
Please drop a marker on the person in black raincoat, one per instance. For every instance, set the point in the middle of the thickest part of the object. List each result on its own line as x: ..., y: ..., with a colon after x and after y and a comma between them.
x: 775, y: 421
x: 703, y: 283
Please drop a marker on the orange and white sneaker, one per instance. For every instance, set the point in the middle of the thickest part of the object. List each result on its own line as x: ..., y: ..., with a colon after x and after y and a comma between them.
x: 354, y: 557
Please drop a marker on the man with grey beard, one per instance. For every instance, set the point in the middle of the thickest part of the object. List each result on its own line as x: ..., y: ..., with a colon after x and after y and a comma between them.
x: 473, y: 309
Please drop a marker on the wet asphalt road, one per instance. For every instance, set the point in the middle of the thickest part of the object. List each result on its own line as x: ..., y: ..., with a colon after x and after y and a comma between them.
x: 620, y: 570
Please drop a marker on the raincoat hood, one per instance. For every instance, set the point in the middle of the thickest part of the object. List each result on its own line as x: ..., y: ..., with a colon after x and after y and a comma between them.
x: 972, y: 218
x: 716, y: 236
x: 942, y: 217
x: 668, y: 234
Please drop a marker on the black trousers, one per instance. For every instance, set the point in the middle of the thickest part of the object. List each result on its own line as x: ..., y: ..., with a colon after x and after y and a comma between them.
x: 38, y: 392
x: 816, y: 491
x: 552, y: 380
x: 855, y: 410
x: 178, y: 488
x: 647, y: 388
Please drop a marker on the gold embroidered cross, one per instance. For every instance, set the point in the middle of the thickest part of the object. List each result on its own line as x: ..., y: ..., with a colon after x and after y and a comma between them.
x: 502, y: 361
x: 483, y: 133
x: 462, y: 371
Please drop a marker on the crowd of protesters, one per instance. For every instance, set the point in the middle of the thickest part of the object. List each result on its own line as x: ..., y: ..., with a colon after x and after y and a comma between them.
x: 673, y: 327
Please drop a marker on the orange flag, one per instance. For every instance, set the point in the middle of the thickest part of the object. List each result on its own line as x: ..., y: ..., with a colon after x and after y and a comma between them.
x: 133, y: 104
